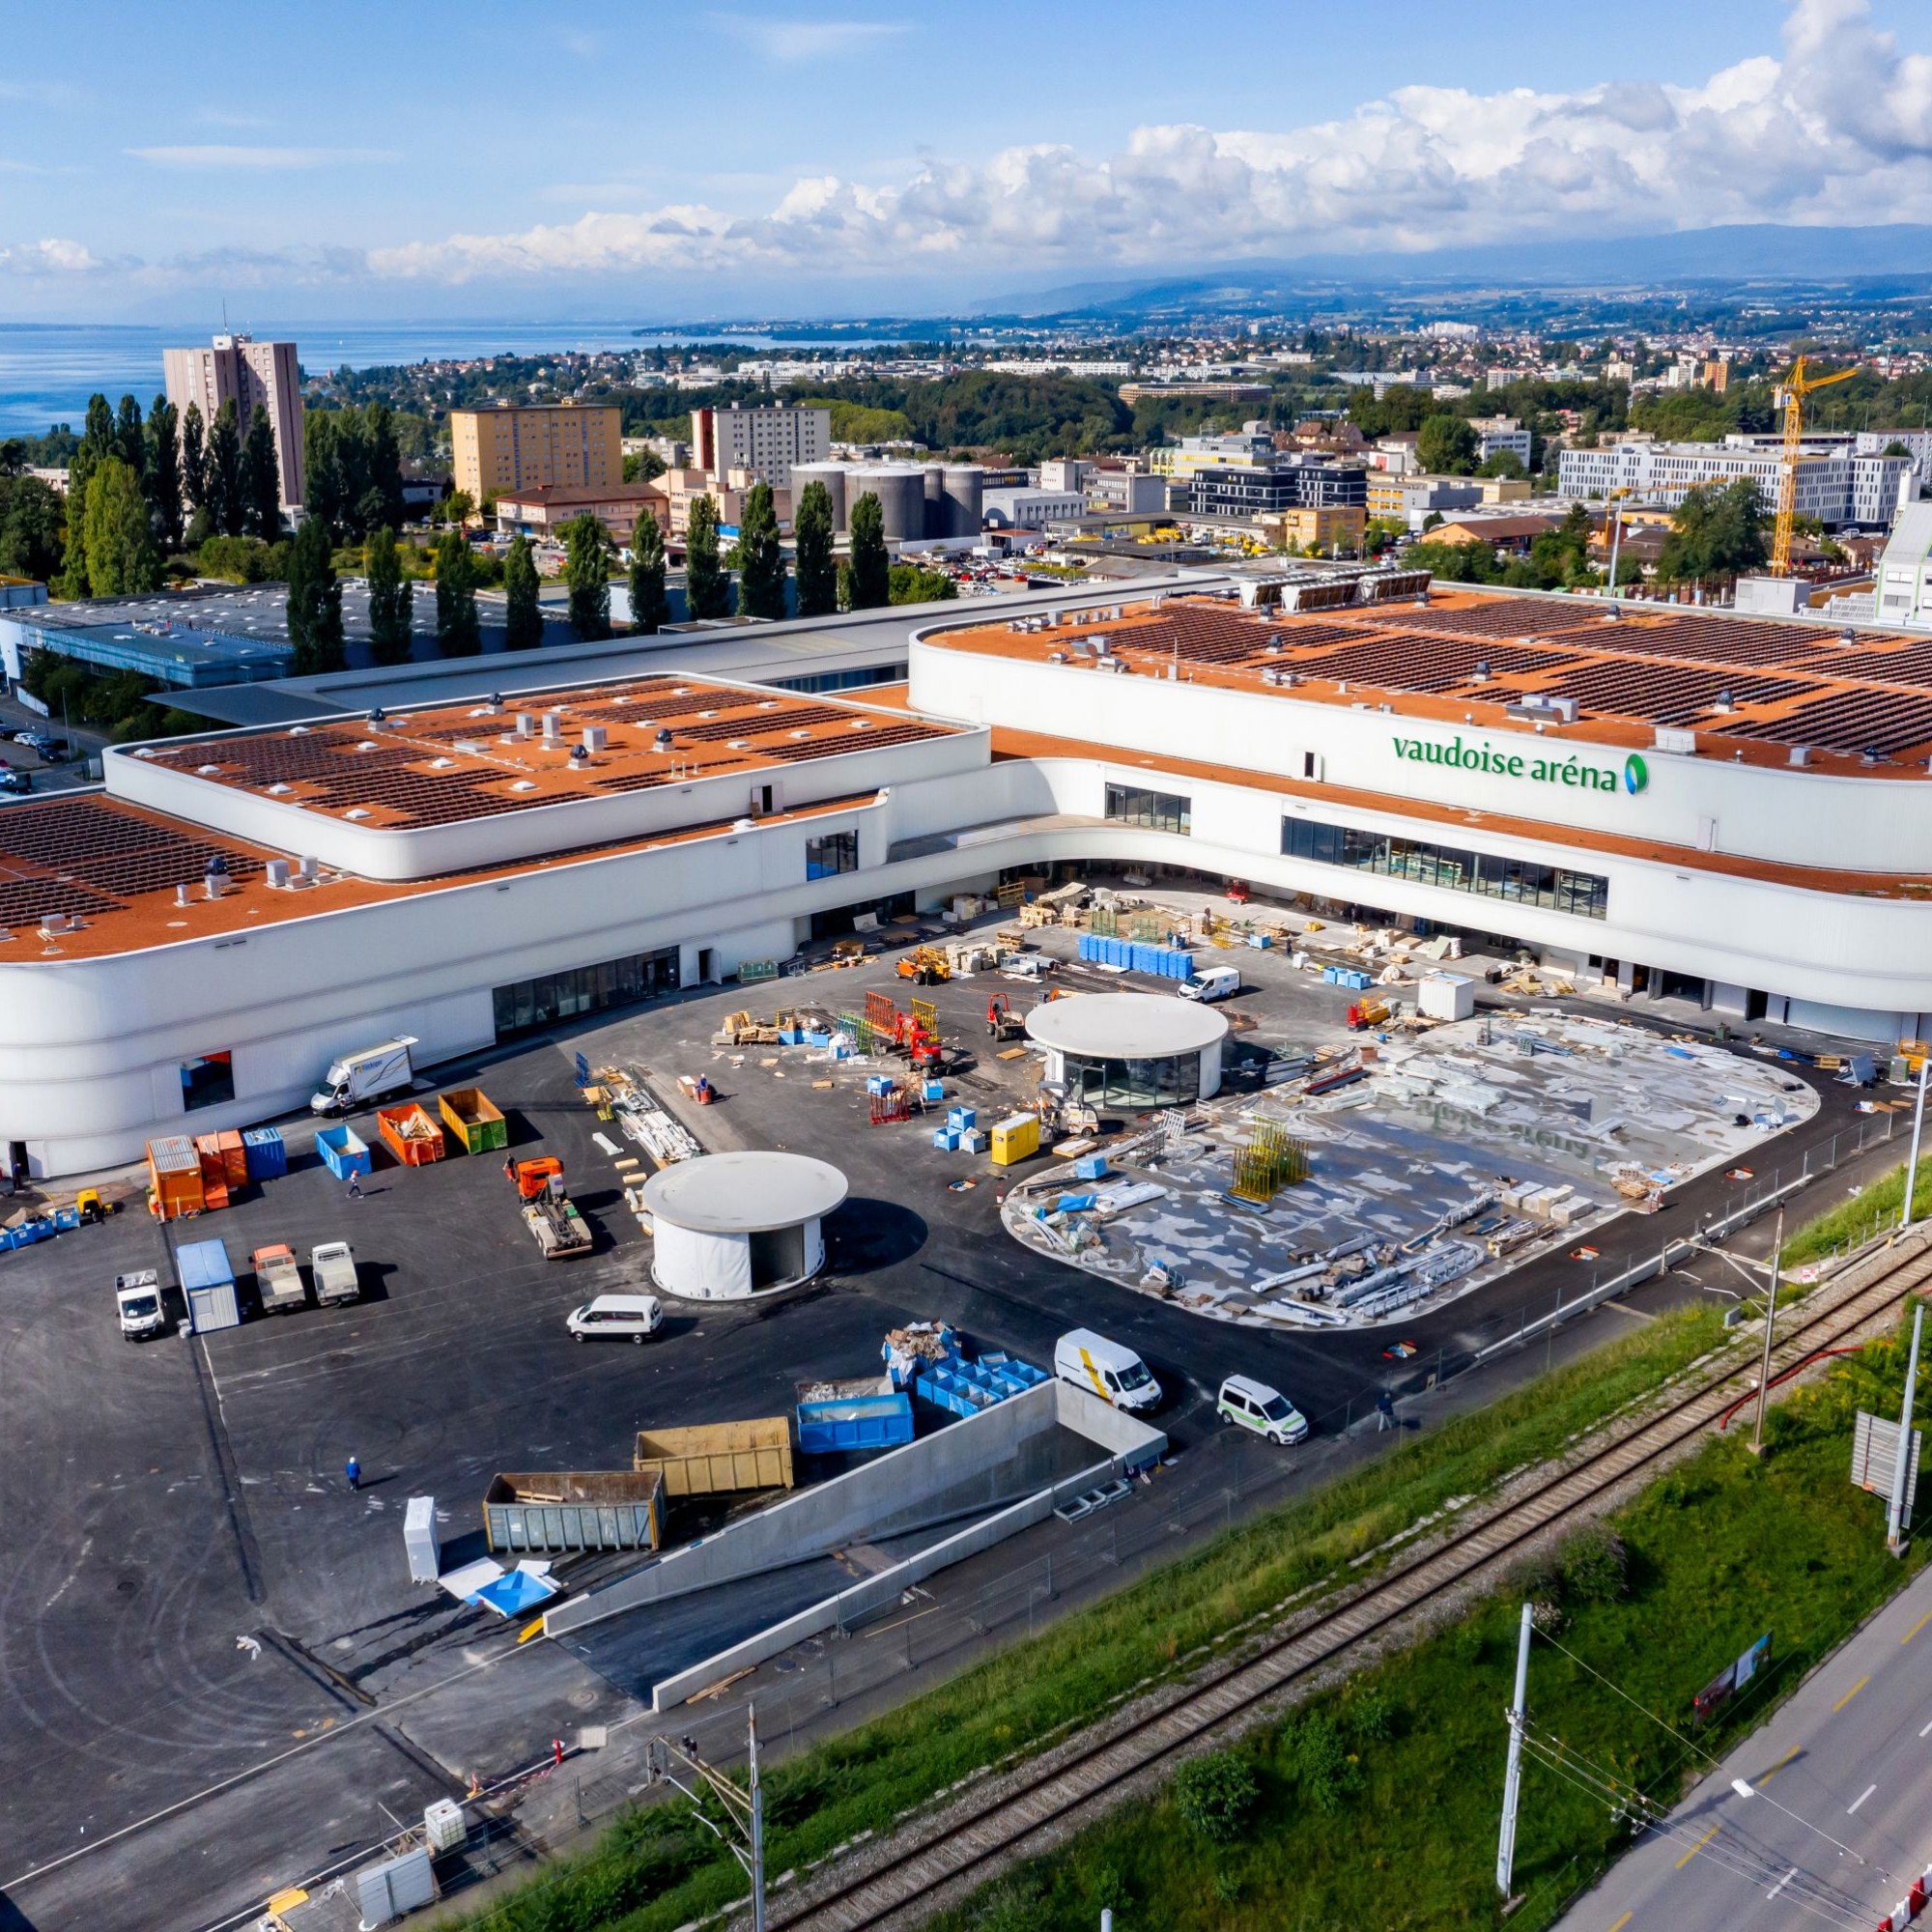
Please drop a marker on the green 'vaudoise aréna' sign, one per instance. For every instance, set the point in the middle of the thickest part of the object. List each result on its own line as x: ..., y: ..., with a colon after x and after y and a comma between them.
x: 1568, y: 770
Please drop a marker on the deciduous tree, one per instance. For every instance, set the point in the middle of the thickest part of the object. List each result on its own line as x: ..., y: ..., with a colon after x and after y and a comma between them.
x: 587, y: 570
x: 817, y: 568
x: 261, y: 479
x: 391, y: 600
x: 868, y: 574
x: 523, y: 623
x: 163, y: 474
x: 119, y: 545
x: 650, y: 605
x: 458, y: 633
x: 761, y: 568
x: 315, y: 602
x: 707, y: 590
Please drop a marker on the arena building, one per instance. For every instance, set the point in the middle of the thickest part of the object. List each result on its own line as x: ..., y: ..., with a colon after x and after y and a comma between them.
x: 1682, y: 803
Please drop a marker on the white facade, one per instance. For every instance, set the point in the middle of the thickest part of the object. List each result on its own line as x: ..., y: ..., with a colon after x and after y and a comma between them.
x: 1834, y: 485
x: 1694, y: 854
x: 1031, y: 509
x: 769, y: 441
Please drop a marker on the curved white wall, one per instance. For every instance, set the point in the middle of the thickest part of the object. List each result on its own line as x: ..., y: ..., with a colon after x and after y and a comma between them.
x: 90, y: 1049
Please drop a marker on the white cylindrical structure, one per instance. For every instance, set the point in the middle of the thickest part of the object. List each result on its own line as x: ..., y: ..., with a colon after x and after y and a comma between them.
x: 1131, y: 1049
x: 731, y: 1227
x: 832, y: 476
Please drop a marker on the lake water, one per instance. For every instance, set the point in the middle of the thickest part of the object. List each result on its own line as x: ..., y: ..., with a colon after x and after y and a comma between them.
x: 47, y: 371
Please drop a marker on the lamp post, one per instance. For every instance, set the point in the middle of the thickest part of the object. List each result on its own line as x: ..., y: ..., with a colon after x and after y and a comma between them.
x: 1770, y: 1322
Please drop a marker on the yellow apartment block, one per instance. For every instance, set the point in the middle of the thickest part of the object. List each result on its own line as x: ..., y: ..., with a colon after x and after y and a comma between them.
x: 522, y: 449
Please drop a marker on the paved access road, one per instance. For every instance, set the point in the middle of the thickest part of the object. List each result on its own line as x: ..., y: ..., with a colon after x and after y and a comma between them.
x: 1839, y: 1818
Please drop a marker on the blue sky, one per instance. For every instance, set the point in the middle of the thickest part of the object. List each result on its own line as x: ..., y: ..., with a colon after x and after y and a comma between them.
x: 684, y: 161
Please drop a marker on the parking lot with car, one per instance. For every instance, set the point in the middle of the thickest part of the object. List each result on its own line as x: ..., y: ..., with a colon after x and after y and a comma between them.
x: 197, y: 1592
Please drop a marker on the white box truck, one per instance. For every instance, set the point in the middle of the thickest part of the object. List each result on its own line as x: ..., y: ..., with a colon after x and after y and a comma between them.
x: 138, y: 1300
x: 373, y: 1073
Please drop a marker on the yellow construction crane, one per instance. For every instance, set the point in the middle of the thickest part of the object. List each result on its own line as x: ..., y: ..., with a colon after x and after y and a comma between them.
x: 1789, y: 396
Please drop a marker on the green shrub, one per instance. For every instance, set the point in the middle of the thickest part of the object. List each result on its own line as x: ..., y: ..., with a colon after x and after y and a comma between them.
x: 1323, y: 1766
x: 1593, y: 1565
x: 1216, y: 1796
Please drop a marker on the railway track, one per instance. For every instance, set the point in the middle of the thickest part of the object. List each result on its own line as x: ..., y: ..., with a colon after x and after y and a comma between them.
x: 946, y: 1853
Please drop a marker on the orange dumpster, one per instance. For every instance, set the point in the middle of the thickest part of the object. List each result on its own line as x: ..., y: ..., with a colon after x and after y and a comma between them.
x: 413, y: 1137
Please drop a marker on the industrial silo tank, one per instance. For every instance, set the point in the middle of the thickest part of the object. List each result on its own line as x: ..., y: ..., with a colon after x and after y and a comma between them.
x: 832, y: 475
x: 935, y: 499
x: 902, y: 494
x: 964, y: 499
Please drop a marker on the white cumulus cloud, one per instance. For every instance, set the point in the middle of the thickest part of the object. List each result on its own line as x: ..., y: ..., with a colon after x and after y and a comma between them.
x: 1839, y: 127
x: 52, y: 257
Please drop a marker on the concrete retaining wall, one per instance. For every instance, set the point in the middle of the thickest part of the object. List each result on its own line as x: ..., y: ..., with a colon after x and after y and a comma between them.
x: 1002, y: 1455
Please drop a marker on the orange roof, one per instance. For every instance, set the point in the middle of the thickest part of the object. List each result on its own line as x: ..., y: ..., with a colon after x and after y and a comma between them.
x: 457, y: 762
x: 114, y: 866
x: 1750, y: 688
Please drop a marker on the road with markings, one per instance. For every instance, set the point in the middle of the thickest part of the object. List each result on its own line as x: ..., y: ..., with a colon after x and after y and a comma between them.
x: 1835, y: 1817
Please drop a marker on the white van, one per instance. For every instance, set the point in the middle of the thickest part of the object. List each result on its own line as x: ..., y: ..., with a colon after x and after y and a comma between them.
x: 1215, y: 982
x: 617, y: 1317
x: 1105, y: 1369
x: 1252, y: 1405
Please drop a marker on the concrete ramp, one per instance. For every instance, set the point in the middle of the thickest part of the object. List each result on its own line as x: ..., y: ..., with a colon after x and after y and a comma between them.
x: 1008, y: 1460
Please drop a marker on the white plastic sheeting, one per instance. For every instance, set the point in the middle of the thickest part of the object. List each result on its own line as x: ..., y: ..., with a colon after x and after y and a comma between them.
x: 698, y: 1267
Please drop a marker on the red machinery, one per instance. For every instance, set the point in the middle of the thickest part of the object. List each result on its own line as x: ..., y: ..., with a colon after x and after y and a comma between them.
x: 1002, y: 1022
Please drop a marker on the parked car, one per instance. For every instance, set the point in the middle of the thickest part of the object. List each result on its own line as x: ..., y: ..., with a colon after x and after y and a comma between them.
x: 1252, y: 1405
x: 617, y: 1317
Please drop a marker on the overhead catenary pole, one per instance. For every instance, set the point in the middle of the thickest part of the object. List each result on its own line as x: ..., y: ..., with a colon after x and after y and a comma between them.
x: 1512, y: 1774
x: 1918, y: 1127
x: 1901, y: 1468
x: 1769, y: 1325
x: 757, y: 1821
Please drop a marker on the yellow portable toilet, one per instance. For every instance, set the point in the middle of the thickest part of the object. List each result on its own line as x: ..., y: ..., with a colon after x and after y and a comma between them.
x: 1016, y: 1139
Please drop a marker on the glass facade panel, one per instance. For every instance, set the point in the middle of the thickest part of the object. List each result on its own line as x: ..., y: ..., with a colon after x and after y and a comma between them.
x: 552, y: 997
x: 1164, y: 1082
x: 1157, y: 810
x: 827, y: 857
x: 1451, y: 867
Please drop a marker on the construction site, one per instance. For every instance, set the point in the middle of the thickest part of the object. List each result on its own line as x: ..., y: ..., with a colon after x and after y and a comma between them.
x: 846, y: 1213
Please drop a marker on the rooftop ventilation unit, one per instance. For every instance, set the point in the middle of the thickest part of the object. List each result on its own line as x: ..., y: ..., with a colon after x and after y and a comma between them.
x: 278, y: 875
x: 183, y: 898
x: 579, y: 756
x: 526, y: 723
x: 662, y: 742
x: 374, y: 714
x: 1671, y: 738
x: 54, y: 922
x: 1723, y: 703
x: 552, y: 726
x: 1481, y: 674
x: 1801, y: 754
x: 593, y: 739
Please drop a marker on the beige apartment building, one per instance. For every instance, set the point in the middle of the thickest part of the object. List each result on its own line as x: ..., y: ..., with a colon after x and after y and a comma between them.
x: 521, y: 447
x: 239, y: 369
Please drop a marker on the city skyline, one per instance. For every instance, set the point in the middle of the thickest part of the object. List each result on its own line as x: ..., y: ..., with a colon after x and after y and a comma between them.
x: 830, y: 177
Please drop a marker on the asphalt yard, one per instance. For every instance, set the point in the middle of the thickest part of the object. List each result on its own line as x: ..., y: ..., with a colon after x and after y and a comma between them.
x: 216, y: 1666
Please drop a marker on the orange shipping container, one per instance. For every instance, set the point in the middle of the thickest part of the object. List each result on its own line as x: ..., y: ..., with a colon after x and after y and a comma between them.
x: 413, y: 1137
x: 174, y: 1176
x: 234, y: 1159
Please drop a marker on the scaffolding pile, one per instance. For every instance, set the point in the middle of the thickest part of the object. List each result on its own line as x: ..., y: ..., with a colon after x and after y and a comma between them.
x: 1272, y: 1160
